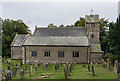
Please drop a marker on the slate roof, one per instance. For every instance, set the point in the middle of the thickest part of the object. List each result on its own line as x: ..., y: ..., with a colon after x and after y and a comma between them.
x: 57, y: 41
x: 71, y: 31
x: 96, y: 48
x: 92, y: 18
x: 18, y: 40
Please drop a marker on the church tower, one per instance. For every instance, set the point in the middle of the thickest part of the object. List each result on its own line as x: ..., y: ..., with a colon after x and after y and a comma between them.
x: 92, y: 24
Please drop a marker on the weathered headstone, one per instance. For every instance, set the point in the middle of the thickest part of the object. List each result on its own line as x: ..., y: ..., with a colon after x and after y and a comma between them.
x: 69, y: 69
x: 67, y: 65
x: 8, y: 67
x: 25, y: 69
x: 30, y: 70
x: 116, y: 66
x: 36, y: 68
x: 118, y: 72
x: 92, y: 69
x: 21, y: 64
x: 14, y: 73
x: 55, y: 67
x: 88, y: 66
x: 8, y: 75
x: 65, y: 72
x: 43, y: 66
x: 103, y: 63
x: 108, y: 64
x: 22, y: 74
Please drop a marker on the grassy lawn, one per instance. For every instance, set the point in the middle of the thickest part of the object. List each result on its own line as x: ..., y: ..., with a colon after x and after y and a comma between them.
x: 78, y: 72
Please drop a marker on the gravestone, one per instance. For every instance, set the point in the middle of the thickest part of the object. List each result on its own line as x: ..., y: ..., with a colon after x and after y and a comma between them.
x: 39, y: 65
x: 49, y: 63
x: 25, y: 69
x: 69, y: 69
x: 65, y: 72
x: 92, y: 69
x: 44, y: 66
x: 16, y: 67
x: 108, y: 64
x: 8, y: 67
x: 8, y: 75
x: 67, y: 65
x: 118, y: 72
x: 30, y: 70
x: 36, y: 68
x: 83, y: 64
x: 2, y: 72
x: 103, y: 63
x: 21, y: 64
x: 116, y: 66
x: 58, y: 65
x: 22, y: 74
x: 88, y: 66
x: 55, y: 67
x: 14, y: 73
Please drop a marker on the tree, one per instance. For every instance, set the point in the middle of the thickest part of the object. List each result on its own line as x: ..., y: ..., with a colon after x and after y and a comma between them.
x: 9, y: 29
x: 80, y: 22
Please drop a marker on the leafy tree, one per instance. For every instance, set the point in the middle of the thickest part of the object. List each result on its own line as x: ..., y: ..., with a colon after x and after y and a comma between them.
x: 9, y: 29
x: 80, y: 22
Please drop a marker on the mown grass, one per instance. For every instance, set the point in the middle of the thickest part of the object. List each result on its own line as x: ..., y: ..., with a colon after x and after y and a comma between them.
x: 78, y: 72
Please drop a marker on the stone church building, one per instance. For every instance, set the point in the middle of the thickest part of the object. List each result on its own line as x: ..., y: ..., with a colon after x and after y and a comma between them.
x: 63, y: 44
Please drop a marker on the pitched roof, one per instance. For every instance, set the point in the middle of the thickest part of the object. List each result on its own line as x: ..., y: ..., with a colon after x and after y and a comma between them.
x: 57, y: 41
x: 96, y: 48
x: 18, y: 40
x: 92, y: 18
x: 66, y: 31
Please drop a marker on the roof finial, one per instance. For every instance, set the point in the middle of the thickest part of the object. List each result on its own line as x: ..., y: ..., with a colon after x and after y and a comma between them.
x: 91, y: 11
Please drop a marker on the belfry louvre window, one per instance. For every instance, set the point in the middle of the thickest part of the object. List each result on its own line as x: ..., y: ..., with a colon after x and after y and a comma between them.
x: 47, y: 54
x: 34, y: 53
x: 75, y: 54
x: 61, y: 54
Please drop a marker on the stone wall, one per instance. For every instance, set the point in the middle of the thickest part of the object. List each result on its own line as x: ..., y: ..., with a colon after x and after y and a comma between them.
x: 68, y: 51
x: 16, y: 52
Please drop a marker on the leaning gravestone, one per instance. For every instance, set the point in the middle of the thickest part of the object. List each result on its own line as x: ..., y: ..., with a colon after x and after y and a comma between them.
x: 92, y: 69
x: 22, y: 74
x: 83, y: 64
x: 8, y: 75
x: 103, y: 63
x: 71, y: 67
x: 65, y: 72
x: 13, y: 73
x: 30, y: 70
x: 36, y: 68
x: 116, y: 66
x: 88, y: 66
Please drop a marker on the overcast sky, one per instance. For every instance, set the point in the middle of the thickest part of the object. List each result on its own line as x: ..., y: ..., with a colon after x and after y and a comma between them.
x: 43, y: 13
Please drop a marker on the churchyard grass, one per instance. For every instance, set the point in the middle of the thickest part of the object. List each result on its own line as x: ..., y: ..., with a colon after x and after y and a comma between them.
x: 78, y: 72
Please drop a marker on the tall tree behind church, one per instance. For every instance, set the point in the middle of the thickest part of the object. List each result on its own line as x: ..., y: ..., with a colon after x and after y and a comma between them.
x: 9, y: 29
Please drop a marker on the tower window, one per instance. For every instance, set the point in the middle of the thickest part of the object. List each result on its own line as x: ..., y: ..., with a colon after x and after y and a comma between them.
x: 92, y: 24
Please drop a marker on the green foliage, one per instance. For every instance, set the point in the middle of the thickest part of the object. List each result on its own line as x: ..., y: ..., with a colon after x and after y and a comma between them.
x: 80, y: 22
x: 9, y: 29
